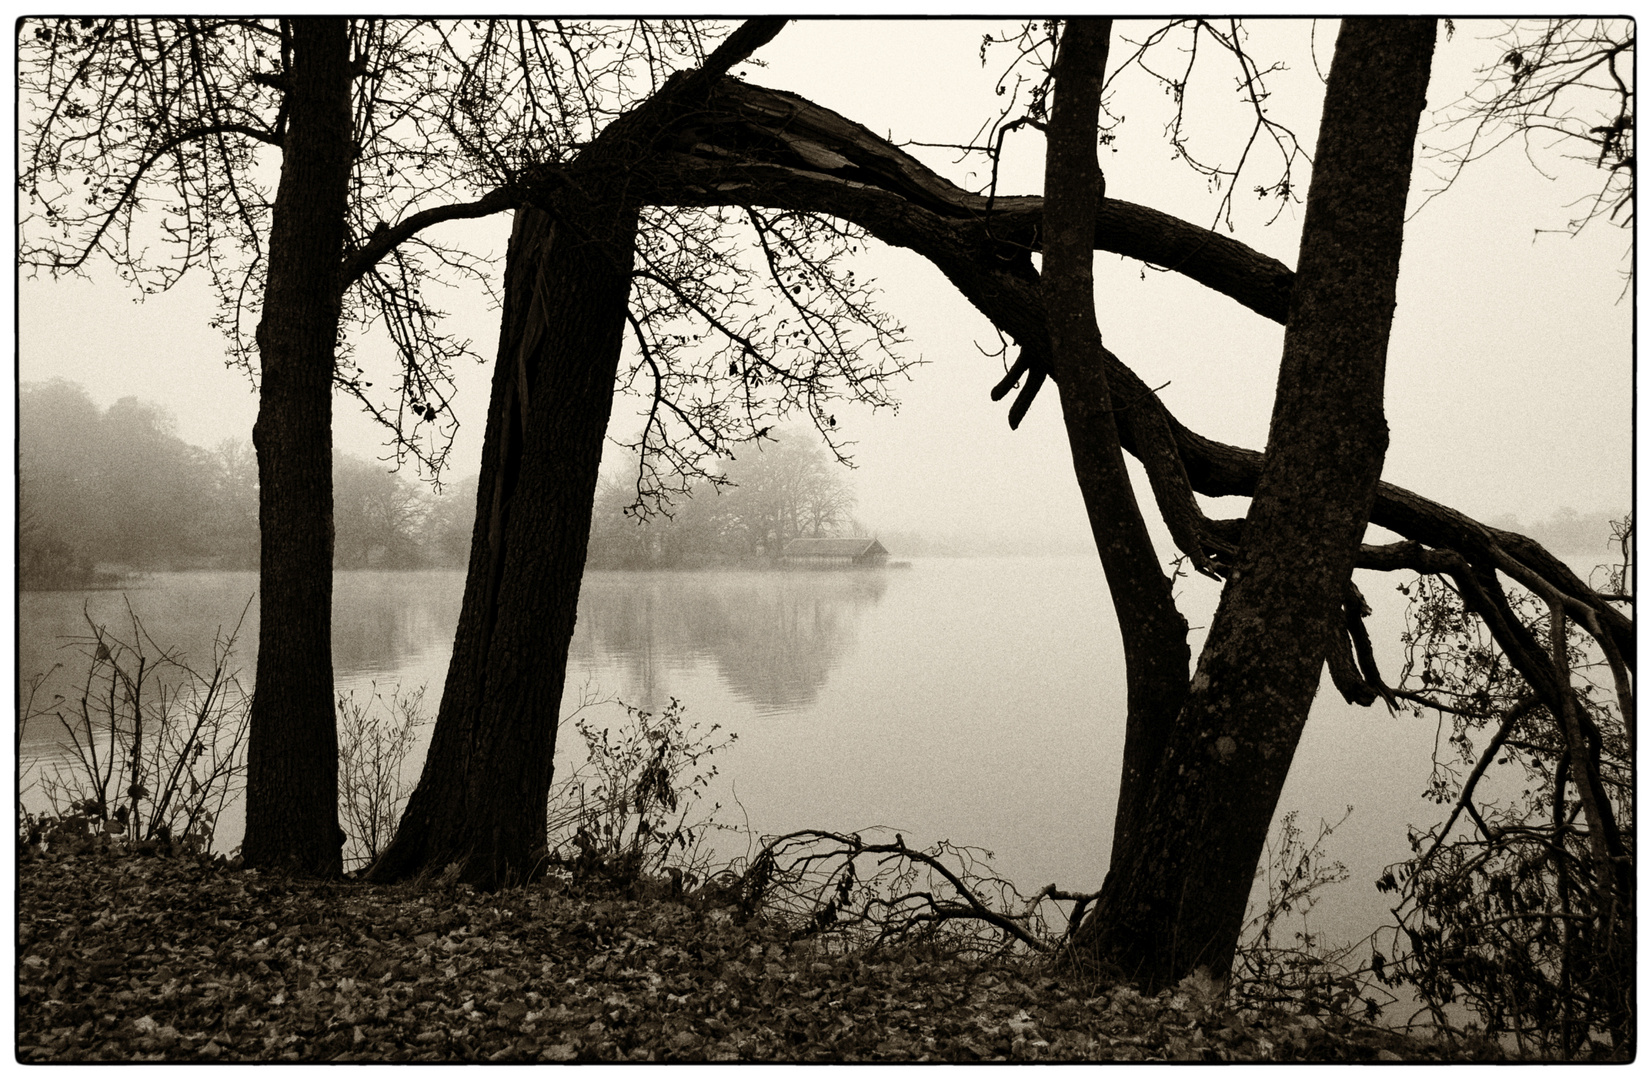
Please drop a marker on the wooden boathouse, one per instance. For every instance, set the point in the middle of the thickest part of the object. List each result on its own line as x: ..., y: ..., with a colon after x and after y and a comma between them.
x: 834, y: 551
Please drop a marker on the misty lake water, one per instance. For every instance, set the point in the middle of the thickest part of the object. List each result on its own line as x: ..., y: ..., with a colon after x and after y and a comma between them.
x: 975, y: 700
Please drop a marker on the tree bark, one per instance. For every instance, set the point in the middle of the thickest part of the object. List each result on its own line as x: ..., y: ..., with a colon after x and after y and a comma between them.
x: 480, y: 802
x: 1154, y: 632
x: 292, y: 747
x: 1175, y: 901
x: 481, y: 799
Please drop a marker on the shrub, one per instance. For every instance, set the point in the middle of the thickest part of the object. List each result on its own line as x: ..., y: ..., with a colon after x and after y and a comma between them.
x: 1521, y: 917
x: 375, y: 737
x: 630, y: 810
x: 155, y: 748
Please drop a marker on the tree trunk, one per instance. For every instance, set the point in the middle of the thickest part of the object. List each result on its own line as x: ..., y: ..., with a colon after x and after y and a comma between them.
x: 481, y: 800
x: 1175, y: 901
x: 292, y: 748
x: 1155, y: 634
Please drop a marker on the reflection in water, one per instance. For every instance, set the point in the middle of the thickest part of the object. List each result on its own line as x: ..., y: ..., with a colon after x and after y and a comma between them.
x: 180, y: 613
x: 980, y: 700
x: 380, y: 621
x: 383, y: 617
x: 774, y: 636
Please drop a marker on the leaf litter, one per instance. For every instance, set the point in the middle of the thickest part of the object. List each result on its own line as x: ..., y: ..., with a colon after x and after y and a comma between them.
x: 157, y: 958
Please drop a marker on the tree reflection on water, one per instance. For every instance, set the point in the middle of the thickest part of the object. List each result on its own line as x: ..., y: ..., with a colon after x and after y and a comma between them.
x: 774, y: 636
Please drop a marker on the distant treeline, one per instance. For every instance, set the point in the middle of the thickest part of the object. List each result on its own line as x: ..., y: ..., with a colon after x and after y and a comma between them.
x: 783, y: 489
x: 105, y: 491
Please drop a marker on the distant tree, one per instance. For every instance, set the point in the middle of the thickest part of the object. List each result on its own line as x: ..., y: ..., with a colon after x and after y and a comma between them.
x: 377, y: 515
x: 157, y: 489
x: 234, y: 528
x: 58, y: 439
x: 108, y: 486
x: 46, y: 558
x: 784, y: 488
x: 619, y: 540
x: 449, y: 519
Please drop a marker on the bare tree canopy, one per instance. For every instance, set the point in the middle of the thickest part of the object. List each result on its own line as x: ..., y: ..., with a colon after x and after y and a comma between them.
x: 1560, y: 89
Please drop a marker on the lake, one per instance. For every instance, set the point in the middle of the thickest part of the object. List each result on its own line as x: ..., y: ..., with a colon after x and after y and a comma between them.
x: 975, y: 700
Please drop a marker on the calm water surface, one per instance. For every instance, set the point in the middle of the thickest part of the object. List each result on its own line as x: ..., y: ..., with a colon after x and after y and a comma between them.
x: 976, y: 700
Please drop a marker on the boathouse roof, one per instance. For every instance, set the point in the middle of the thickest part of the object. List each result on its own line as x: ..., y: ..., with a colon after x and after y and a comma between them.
x: 842, y: 547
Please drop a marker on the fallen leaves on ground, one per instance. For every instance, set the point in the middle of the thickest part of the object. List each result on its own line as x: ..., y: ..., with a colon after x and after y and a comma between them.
x: 147, y: 958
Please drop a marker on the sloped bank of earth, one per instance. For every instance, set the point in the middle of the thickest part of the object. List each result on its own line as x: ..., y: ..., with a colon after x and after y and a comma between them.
x: 145, y: 958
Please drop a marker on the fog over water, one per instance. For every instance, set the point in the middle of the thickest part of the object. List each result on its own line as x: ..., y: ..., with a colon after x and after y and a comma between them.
x: 973, y: 700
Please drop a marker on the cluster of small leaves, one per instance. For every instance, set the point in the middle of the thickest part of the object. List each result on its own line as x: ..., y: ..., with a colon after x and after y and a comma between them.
x: 1503, y: 928
x: 1452, y: 659
x: 1281, y: 962
x: 132, y: 958
x: 1509, y: 916
x: 1456, y: 667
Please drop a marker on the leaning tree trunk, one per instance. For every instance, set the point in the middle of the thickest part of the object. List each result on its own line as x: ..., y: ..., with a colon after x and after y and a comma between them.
x: 1175, y: 900
x: 292, y: 748
x: 481, y: 800
x: 1154, y: 633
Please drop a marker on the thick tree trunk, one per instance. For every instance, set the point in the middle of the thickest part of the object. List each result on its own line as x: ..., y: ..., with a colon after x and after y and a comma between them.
x: 1155, y: 634
x: 481, y: 800
x: 292, y: 749
x: 1175, y: 901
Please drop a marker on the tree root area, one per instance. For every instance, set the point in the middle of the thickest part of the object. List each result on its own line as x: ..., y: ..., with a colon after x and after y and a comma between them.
x: 159, y: 958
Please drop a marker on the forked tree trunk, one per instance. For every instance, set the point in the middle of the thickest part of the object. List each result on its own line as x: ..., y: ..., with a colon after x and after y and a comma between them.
x: 481, y: 800
x: 1154, y: 633
x: 292, y: 747
x: 1175, y: 900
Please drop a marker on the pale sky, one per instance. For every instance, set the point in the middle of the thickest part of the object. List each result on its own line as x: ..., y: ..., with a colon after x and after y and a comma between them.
x: 1510, y: 365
